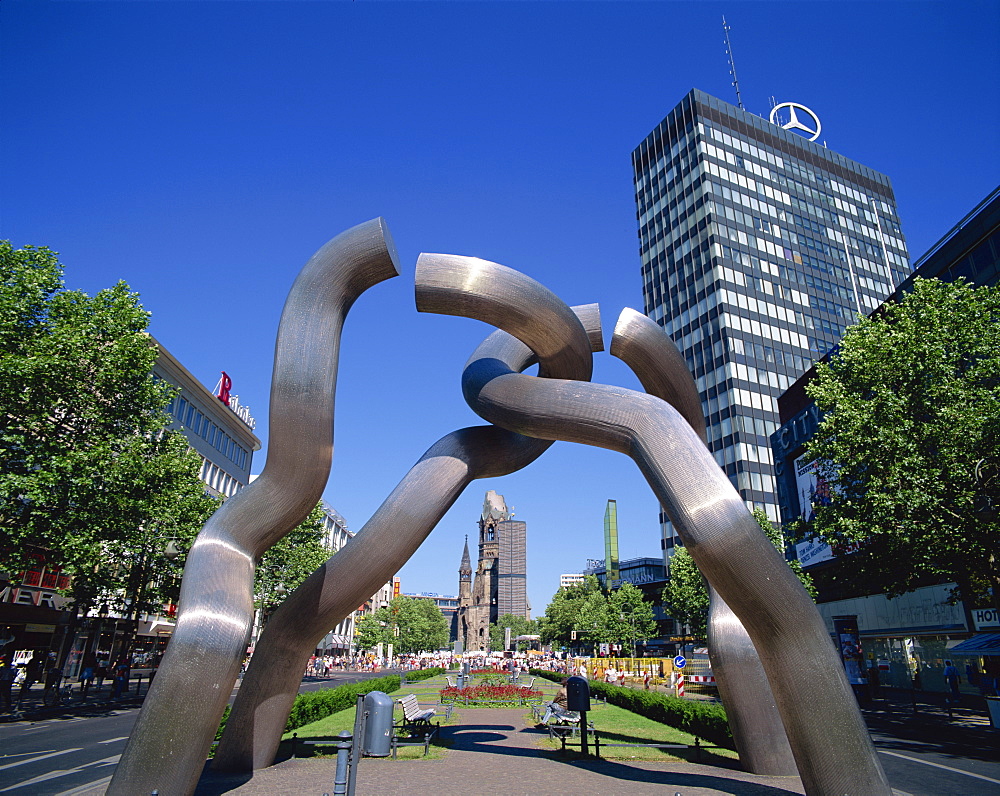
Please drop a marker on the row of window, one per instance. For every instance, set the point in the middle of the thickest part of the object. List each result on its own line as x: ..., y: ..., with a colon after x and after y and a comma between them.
x: 738, y: 370
x: 739, y: 397
x: 873, y: 232
x: 763, y: 353
x: 194, y: 422
x: 653, y: 237
x: 743, y: 451
x: 653, y: 183
x: 764, y: 225
x: 218, y: 479
x: 859, y: 209
x: 766, y: 330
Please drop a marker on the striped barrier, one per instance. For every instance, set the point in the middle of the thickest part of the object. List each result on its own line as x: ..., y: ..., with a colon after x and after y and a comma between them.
x: 680, y: 684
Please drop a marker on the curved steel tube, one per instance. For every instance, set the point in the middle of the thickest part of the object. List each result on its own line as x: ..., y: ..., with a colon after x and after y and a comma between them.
x: 171, y: 739
x: 753, y: 716
x: 834, y: 753
x: 562, y: 345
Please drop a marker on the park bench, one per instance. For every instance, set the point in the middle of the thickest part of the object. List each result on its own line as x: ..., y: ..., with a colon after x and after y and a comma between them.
x: 414, y: 716
x: 560, y: 718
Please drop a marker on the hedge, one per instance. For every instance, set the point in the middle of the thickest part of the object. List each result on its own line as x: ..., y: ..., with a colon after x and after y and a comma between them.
x: 315, y: 705
x: 417, y: 675
x: 705, y: 720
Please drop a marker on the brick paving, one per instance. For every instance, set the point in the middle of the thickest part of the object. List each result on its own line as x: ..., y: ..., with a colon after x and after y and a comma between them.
x: 494, y: 751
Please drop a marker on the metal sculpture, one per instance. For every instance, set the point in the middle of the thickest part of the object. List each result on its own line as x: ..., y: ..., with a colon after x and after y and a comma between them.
x: 750, y: 708
x: 663, y: 432
x: 170, y: 742
x: 834, y: 756
x: 560, y: 342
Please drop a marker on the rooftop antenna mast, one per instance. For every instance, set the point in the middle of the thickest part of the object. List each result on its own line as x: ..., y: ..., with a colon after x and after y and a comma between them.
x: 732, y: 64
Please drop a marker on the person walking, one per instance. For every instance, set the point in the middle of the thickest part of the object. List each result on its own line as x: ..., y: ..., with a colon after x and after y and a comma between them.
x: 952, y: 678
x: 121, y: 674
x: 7, y: 675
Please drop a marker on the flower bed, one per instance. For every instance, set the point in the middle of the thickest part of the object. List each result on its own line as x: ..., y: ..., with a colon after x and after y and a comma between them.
x: 493, y: 695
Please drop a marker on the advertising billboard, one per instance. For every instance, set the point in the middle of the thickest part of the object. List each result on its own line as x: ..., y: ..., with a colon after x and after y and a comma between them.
x: 813, y: 490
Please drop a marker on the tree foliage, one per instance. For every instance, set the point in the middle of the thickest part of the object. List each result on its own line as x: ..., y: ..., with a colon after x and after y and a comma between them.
x: 90, y: 480
x: 519, y: 626
x: 629, y: 616
x: 290, y: 560
x: 685, y: 597
x: 622, y: 617
x: 562, y: 615
x: 910, y: 440
x: 410, y: 624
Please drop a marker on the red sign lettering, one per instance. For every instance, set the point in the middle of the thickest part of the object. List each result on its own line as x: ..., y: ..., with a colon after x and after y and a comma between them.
x: 225, y: 385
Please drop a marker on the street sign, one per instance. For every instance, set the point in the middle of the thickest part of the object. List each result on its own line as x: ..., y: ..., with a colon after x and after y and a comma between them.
x: 680, y: 662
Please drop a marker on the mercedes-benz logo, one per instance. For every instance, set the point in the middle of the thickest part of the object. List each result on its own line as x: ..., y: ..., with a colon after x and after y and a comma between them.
x: 793, y: 122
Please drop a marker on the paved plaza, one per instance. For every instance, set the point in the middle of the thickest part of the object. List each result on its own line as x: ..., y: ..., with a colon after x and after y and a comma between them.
x: 498, y: 753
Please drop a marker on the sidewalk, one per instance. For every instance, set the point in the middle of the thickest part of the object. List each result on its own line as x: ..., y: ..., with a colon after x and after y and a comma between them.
x: 495, y: 751
x: 33, y: 708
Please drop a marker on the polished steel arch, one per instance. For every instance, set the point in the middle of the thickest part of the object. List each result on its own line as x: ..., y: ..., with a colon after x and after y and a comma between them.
x: 170, y: 741
x: 405, y: 518
x: 750, y: 707
x: 834, y: 755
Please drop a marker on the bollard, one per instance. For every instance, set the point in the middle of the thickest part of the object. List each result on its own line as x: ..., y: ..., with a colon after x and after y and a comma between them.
x: 355, y: 755
x: 343, y: 753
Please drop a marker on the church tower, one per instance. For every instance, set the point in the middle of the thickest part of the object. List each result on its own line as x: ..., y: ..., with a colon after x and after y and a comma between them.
x: 465, y: 577
x: 499, y: 581
x: 459, y: 620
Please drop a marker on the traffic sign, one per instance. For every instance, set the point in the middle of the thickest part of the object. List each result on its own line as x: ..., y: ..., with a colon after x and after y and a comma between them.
x: 680, y: 662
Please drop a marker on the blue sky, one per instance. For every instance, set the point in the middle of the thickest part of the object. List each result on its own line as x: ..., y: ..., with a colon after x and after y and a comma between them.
x: 203, y: 151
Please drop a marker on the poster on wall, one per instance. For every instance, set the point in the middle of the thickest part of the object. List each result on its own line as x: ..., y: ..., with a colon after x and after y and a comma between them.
x: 849, y: 645
x: 813, y: 490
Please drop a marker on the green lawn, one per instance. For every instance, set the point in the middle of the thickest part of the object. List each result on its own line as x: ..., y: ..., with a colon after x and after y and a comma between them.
x: 427, y: 693
x: 614, y: 724
x: 617, y: 725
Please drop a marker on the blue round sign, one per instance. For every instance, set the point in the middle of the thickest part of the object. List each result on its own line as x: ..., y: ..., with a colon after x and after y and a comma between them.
x: 680, y: 662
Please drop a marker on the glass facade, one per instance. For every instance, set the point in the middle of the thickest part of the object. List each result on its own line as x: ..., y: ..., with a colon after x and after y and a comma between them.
x: 512, y: 569
x: 758, y: 247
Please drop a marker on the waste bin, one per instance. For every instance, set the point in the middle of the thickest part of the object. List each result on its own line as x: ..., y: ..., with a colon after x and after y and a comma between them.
x: 993, y: 708
x: 577, y: 694
x: 378, y: 725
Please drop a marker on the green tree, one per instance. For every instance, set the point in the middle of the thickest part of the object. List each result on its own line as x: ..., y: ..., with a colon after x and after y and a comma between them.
x: 629, y: 616
x: 910, y: 442
x: 562, y: 615
x: 90, y: 480
x: 373, y: 629
x: 685, y: 597
x: 410, y: 624
x: 519, y: 626
x: 290, y: 561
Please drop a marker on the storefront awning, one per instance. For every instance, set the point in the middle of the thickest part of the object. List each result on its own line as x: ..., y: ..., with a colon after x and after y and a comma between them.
x: 979, y: 644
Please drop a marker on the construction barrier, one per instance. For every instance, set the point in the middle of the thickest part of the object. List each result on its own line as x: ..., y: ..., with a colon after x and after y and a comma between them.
x: 659, y: 671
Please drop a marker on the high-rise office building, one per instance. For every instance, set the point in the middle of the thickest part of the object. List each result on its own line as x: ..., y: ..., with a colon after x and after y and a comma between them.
x: 758, y: 247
